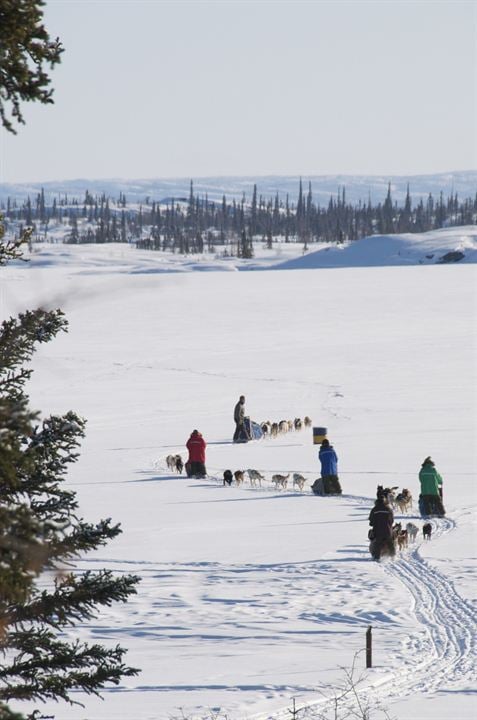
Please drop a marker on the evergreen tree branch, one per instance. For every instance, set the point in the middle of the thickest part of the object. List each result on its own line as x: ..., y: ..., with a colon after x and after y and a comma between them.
x: 7, y: 714
x: 18, y: 337
x: 75, y: 598
x: 83, y: 538
x: 46, y: 668
x: 25, y: 47
x: 39, y: 530
x: 11, y: 249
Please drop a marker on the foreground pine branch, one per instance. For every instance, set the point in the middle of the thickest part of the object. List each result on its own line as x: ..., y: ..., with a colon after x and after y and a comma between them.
x: 41, y: 535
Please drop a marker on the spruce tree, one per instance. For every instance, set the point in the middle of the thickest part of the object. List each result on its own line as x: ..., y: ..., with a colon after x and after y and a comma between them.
x: 25, y: 49
x: 11, y: 249
x: 41, y: 534
x: 253, y: 213
x: 245, y: 246
x: 73, y: 236
x: 388, y: 214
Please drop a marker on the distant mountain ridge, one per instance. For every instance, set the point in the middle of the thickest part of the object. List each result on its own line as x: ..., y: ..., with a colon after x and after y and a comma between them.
x: 356, y: 187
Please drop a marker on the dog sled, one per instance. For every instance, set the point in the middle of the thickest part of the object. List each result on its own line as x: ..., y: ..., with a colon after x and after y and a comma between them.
x: 327, y: 486
x: 431, y: 506
x: 380, y: 547
x: 250, y: 430
x: 195, y: 469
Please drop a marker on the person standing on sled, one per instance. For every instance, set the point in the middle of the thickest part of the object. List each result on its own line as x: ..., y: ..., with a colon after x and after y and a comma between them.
x: 329, y: 469
x: 430, y: 499
x: 381, y: 519
x: 195, y: 465
x: 239, y: 418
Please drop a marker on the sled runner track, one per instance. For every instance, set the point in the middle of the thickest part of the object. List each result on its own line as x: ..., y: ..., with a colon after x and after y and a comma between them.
x: 443, y: 652
x: 440, y: 651
x: 448, y: 619
x: 446, y: 648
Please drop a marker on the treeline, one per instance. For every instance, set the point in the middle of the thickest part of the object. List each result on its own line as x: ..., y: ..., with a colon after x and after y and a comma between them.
x: 194, y: 224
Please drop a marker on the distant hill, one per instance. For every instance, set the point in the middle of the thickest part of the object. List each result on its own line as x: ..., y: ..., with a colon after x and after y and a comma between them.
x: 357, y: 187
x: 448, y: 245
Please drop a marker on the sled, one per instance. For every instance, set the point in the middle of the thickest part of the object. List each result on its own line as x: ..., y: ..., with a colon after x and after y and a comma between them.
x: 431, y: 506
x: 250, y: 430
x: 381, y: 548
x: 200, y: 471
x: 254, y: 430
x: 327, y: 486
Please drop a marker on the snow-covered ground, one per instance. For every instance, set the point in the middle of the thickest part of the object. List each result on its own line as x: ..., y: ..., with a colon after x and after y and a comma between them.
x: 253, y: 596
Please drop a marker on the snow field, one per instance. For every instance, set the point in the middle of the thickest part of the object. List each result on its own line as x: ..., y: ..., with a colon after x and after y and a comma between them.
x: 252, y: 596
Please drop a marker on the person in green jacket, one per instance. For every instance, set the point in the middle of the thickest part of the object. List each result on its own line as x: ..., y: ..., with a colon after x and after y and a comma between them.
x: 430, y: 499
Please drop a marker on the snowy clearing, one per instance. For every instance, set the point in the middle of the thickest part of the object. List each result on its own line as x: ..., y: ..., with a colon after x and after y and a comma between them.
x: 253, y: 596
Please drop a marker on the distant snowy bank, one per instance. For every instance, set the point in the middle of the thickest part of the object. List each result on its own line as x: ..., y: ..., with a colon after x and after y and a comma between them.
x: 437, y: 246
x: 452, y: 245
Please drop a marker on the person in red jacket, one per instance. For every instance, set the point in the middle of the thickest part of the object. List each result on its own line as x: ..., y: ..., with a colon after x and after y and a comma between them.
x: 195, y: 465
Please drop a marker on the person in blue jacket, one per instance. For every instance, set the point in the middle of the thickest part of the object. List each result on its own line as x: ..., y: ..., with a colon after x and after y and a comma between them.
x: 329, y: 469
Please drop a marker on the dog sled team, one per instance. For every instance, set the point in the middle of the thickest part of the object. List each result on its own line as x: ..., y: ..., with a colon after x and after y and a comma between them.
x: 385, y: 535
x: 195, y: 464
x: 274, y: 429
x: 256, y: 478
x: 246, y: 429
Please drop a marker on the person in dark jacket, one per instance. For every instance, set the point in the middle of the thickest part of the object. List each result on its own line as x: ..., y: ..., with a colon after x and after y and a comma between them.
x: 329, y: 468
x: 430, y: 499
x: 381, y: 519
x: 239, y: 417
x: 195, y: 465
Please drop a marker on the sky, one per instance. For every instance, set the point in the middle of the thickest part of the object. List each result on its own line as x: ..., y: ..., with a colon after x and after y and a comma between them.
x: 155, y: 89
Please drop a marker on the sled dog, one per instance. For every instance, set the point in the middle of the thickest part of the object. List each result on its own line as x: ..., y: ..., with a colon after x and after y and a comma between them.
x: 412, y: 531
x: 403, y: 500
x: 281, y: 480
x: 228, y: 477
x: 171, y: 462
x: 427, y: 531
x: 255, y: 477
x: 299, y: 481
x: 238, y: 475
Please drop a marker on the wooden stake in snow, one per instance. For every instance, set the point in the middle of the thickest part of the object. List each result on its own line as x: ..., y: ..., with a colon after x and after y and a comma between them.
x: 369, y: 648
x: 294, y: 712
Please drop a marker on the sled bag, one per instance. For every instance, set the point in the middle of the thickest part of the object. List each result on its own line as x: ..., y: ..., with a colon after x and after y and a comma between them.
x: 319, y: 434
x: 331, y: 485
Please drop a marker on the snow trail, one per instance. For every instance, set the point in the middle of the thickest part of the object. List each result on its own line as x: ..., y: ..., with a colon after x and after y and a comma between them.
x: 443, y: 651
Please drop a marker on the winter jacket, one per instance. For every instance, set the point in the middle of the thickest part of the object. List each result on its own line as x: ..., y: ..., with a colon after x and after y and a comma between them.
x: 381, y: 518
x: 196, y: 446
x: 430, y: 479
x: 329, y: 461
x: 239, y: 413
